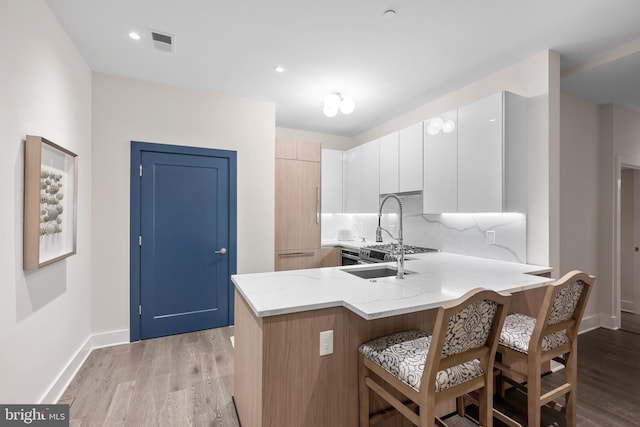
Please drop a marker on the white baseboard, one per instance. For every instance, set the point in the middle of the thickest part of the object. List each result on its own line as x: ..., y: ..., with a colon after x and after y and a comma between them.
x: 94, y: 341
x: 590, y: 323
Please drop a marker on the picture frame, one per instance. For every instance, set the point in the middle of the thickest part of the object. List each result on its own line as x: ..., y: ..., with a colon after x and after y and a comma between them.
x: 50, y: 202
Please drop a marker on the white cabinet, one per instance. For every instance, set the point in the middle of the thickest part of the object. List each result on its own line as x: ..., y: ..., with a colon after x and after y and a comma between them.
x: 361, y: 178
x: 371, y: 177
x: 331, y: 175
x: 401, y: 160
x: 389, y: 163
x: 492, y: 154
x: 440, y: 163
x: 410, y: 158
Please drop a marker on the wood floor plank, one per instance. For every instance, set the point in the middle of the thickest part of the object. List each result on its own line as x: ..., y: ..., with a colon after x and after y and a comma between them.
x: 116, y: 414
x: 630, y: 322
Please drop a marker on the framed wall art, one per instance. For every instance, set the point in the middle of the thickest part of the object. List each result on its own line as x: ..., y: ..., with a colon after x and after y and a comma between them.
x: 50, y: 202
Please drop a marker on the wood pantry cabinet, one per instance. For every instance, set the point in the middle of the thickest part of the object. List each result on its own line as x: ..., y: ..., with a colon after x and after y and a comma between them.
x: 297, y: 207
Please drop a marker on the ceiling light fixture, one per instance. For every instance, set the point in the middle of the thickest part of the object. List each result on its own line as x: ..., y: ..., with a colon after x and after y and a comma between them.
x: 334, y: 102
x: 134, y: 35
x: 438, y: 124
x: 278, y: 69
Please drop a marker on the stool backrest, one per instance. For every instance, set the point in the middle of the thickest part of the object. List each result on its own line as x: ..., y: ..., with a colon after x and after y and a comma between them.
x: 562, y: 307
x: 466, y: 329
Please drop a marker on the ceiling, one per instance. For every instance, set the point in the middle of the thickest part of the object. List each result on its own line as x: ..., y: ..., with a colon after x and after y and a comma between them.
x: 388, y: 64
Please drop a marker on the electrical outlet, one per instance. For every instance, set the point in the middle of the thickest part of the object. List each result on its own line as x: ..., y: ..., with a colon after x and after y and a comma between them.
x: 326, y: 342
x: 491, y: 237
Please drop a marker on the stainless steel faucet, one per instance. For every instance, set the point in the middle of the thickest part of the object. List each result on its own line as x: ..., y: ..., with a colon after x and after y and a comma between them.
x: 400, y: 258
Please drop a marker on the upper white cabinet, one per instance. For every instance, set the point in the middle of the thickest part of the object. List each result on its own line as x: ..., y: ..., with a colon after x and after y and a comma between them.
x: 331, y: 173
x: 401, y: 160
x: 410, y: 158
x: 389, y: 163
x: 440, y: 185
x: 361, y: 178
x: 492, y: 154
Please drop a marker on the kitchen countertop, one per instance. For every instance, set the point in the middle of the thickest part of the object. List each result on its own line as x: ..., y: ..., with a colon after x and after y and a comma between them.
x: 433, y: 279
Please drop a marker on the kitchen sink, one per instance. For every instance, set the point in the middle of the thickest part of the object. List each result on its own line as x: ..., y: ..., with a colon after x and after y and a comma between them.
x: 374, y: 272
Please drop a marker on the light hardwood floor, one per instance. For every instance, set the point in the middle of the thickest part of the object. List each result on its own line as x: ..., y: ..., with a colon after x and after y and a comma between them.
x: 180, y: 380
x: 186, y: 380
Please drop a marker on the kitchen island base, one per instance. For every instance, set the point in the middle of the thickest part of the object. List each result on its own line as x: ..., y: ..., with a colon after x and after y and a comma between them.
x: 281, y: 380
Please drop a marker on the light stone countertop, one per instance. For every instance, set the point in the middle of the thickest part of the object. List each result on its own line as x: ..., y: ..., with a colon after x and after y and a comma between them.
x: 433, y: 279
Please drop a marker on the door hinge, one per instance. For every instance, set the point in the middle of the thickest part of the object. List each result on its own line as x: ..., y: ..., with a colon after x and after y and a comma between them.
x: 140, y: 310
x: 139, y: 240
x: 140, y: 169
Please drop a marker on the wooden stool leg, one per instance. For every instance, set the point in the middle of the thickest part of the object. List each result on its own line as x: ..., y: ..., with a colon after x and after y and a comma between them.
x: 485, y: 406
x: 363, y: 395
x: 533, y: 391
x: 571, y: 377
x: 461, y: 407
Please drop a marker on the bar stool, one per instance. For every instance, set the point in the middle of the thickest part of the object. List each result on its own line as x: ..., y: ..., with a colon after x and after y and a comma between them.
x: 552, y: 335
x: 427, y: 369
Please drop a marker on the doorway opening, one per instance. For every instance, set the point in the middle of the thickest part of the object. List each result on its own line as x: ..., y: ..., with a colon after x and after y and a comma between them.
x: 627, y: 246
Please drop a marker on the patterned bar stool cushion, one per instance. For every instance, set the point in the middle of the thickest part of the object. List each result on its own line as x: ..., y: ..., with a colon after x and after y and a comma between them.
x: 403, y: 355
x: 517, y: 331
x: 518, y: 328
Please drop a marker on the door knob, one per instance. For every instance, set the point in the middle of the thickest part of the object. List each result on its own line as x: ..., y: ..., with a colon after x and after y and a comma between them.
x: 221, y: 251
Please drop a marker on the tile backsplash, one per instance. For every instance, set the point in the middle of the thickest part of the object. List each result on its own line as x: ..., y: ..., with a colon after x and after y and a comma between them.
x: 464, y: 234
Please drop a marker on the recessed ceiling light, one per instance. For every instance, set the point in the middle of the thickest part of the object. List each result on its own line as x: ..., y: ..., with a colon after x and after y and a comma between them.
x: 278, y: 69
x: 389, y: 13
x: 134, y: 35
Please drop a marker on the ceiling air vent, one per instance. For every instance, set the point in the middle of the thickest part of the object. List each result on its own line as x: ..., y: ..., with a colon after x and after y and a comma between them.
x: 162, y: 41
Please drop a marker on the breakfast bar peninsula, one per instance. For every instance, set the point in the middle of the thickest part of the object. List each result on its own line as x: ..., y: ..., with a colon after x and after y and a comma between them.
x: 280, y: 378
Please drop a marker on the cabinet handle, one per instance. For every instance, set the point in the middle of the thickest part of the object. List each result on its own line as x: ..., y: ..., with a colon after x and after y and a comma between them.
x: 317, y: 205
x: 292, y: 254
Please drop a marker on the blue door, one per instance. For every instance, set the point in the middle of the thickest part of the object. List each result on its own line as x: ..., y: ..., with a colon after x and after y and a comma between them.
x: 186, y: 239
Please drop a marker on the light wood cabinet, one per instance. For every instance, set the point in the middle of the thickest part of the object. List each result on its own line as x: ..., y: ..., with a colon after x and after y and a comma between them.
x: 298, y: 150
x: 298, y: 206
x: 307, y: 258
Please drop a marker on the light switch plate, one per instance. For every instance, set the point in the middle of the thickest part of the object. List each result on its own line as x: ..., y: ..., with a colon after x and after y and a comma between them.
x: 326, y: 342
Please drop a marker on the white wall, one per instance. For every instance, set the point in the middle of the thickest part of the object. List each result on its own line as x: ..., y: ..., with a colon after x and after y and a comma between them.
x: 579, y: 203
x: 330, y: 142
x: 45, y: 87
x: 537, y: 78
x: 126, y: 110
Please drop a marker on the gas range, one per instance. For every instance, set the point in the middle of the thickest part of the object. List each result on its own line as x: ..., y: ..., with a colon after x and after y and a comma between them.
x: 386, y: 252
